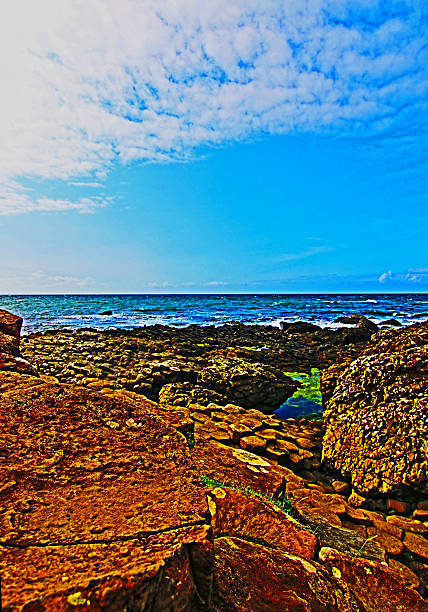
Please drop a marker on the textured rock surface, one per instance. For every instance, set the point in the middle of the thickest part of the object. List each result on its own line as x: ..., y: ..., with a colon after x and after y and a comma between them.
x: 250, y: 385
x: 106, y: 491
x: 253, y: 578
x: 10, y: 324
x: 185, y: 394
x: 248, y: 517
x: 9, y: 345
x: 377, y: 418
x: 10, y: 363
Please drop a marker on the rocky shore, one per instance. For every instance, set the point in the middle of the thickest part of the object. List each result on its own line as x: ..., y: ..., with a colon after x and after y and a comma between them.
x: 146, y: 469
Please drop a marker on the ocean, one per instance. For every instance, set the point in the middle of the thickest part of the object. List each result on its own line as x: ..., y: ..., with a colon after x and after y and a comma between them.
x: 43, y: 312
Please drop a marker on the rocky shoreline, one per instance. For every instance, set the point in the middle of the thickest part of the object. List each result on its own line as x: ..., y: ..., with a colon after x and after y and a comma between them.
x: 145, y: 469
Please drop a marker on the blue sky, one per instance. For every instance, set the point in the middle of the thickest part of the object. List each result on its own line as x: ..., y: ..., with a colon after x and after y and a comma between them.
x: 178, y: 146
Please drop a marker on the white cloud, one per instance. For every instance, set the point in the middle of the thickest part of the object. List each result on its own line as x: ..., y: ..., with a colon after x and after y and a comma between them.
x: 88, y: 84
x: 34, y: 281
x: 386, y: 276
x: 310, y: 252
x: 15, y: 199
x: 412, y: 275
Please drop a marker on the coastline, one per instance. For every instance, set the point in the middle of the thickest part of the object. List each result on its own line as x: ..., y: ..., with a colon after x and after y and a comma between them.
x: 219, y: 386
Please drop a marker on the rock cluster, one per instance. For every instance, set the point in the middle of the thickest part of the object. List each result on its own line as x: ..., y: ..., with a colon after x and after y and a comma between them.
x: 110, y: 501
x: 377, y: 415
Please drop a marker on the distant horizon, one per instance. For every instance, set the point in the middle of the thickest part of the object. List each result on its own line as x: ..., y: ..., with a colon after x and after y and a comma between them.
x: 380, y: 293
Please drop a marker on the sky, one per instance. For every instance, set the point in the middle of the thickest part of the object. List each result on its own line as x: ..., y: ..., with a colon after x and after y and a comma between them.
x: 191, y: 146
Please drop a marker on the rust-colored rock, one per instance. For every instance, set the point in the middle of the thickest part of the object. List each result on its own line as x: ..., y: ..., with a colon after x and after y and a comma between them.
x: 102, y: 507
x: 242, y: 468
x: 250, y: 577
x: 374, y: 586
x: 376, y: 420
x: 9, y: 363
x: 242, y: 515
x: 10, y: 324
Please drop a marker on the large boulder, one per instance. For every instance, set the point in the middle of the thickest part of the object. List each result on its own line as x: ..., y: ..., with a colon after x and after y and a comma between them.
x: 251, y: 385
x: 376, y: 416
x: 101, y: 506
x: 10, y: 324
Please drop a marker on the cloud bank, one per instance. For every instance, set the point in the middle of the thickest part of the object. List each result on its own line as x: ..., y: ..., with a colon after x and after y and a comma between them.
x: 87, y: 85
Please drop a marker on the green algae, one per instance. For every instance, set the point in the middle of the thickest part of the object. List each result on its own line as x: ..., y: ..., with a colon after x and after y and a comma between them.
x: 310, y: 385
x: 282, y: 502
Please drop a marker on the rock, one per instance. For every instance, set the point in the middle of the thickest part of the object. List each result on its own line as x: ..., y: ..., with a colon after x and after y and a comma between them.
x: 251, y: 385
x: 9, y: 363
x: 9, y: 345
x: 340, y: 486
x: 374, y: 586
x: 329, y: 378
x: 250, y: 577
x: 302, y: 327
x: 360, y: 320
x: 376, y: 419
x: 397, y: 505
x: 239, y: 514
x: 392, y: 322
x: 404, y: 573
x: 10, y: 324
x: 416, y: 544
x: 104, y: 507
x: 106, y: 312
x: 185, y: 394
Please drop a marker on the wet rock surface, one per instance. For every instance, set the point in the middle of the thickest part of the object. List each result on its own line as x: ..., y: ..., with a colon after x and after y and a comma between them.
x: 111, y: 501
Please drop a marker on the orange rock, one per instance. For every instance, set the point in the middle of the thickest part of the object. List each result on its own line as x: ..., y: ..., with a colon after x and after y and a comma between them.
x: 404, y: 573
x: 254, y: 444
x: 373, y: 585
x: 390, y: 543
x: 416, y: 544
x: 106, y: 508
x: 240, y: 467
x: 245, y: 516
x: 252, y: 578
x: 407, y: 524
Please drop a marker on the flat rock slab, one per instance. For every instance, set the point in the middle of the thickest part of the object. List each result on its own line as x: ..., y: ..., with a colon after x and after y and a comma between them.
x: 106, y: 491
x: 239, y: 467
x: 239, y: 514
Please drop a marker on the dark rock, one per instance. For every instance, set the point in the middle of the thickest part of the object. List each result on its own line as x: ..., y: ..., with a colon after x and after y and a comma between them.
x: 185, y: 394
x: 10, y: 324
x: 356, y: 319
x: 106, y: 312
x: 392, y: 322
x: 302, y: 327
x: 9, y: 345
